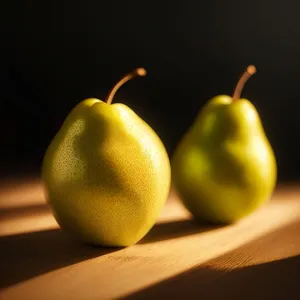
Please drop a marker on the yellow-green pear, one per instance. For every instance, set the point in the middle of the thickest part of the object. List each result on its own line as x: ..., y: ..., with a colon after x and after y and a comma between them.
x: 106, y: 173
x: 224, y: 167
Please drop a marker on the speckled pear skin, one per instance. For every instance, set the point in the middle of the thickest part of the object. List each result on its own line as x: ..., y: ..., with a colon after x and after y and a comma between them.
x: 106, y: 174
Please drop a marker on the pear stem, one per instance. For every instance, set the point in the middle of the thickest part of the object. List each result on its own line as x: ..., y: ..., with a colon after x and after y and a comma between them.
x: 240, y: 85
x: 129, y: 76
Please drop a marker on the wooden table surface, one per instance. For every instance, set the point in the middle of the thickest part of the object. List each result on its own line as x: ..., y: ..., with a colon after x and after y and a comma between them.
x: 257, y: 258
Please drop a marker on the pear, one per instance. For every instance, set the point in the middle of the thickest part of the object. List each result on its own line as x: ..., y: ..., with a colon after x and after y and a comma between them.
x: 224, y: 167
x: 106, y: 173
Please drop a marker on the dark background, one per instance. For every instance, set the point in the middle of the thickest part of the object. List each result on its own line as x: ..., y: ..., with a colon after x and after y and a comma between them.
x: 56, y: 53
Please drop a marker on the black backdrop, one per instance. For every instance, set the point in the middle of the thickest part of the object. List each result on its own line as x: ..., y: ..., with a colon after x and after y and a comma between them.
x: 56, y: 53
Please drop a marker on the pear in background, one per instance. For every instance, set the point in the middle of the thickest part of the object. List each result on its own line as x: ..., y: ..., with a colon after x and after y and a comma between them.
x: 224, y: 168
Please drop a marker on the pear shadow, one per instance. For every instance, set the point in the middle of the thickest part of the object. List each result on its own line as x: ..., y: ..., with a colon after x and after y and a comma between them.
x: 23, y: 211
x: 176, y: 229
x: 266, y: 268
x: 27, y: 255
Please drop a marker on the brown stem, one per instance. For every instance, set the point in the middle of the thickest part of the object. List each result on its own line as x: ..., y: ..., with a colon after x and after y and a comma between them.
x: 133, y: 74
x: 240, y: 85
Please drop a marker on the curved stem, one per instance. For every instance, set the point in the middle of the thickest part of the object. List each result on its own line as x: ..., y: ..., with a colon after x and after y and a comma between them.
x: 129, y: 76
x: 240, y: 85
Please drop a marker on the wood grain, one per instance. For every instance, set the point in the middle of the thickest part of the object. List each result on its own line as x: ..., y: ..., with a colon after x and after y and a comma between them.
x: 257, y: 258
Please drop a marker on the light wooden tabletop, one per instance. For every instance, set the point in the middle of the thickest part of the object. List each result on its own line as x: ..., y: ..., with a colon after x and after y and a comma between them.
x: 257, y: 258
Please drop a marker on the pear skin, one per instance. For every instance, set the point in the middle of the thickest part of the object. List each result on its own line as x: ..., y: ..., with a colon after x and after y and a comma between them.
x: 224, y: 168
x: 106, y: 174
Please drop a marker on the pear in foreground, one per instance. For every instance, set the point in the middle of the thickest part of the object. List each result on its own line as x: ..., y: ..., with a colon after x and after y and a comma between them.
x: 106, y: 173
x: 224, y: 168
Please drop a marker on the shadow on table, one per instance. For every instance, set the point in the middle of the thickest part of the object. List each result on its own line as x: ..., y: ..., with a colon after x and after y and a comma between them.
x: 17, y: 212
x: 24, y: 256
x: 27, y: 255
x: 277, y: 278
x: 176, y: 229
